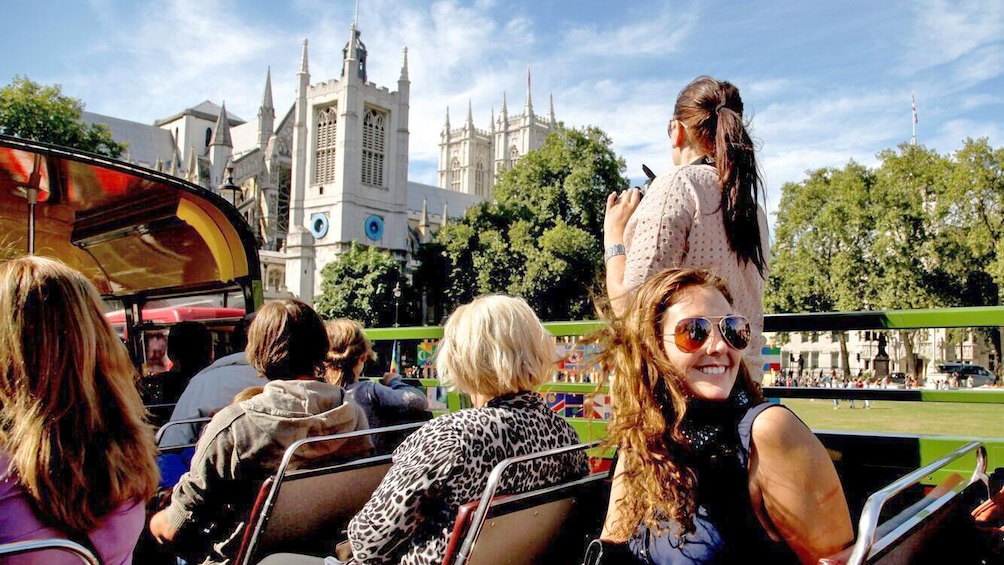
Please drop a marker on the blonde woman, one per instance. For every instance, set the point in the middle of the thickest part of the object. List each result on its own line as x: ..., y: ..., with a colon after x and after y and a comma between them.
x: 708, y: 472
x: 388, y: 402
x: 495, y: 350
x: 77, y: 459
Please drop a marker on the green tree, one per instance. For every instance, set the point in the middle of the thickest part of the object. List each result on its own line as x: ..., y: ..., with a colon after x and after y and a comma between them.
x: 541, y: 236
x: 970, y: 220
x: 360, y: 285
x: 820, y: 258
x: 907, y: 273
x: 43, y: 113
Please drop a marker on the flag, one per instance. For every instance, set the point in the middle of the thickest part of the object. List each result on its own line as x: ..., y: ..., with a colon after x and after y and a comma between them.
x: 555, y: 401
x: 913, y: 103
x: 394, y: 365
x: 574, y: 405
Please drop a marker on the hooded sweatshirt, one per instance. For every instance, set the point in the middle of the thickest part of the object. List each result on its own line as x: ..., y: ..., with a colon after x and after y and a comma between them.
x: 242, y: 446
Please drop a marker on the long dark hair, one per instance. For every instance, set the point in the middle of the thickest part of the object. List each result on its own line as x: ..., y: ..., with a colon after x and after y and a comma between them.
x: 712, y: 112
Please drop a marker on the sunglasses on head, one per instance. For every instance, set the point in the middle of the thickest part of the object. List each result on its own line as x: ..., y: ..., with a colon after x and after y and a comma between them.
x: 692, y: 333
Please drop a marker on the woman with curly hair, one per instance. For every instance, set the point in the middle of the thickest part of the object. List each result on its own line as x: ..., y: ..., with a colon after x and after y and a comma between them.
x: 77, y: 458
x: 708, y: 471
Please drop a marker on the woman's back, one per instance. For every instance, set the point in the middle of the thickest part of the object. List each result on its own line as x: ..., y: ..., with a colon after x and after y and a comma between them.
x: 113, y: 539
x: 446, y: 464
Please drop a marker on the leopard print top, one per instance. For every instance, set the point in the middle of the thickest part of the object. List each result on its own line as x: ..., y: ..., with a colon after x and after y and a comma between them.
x: 446, y: 464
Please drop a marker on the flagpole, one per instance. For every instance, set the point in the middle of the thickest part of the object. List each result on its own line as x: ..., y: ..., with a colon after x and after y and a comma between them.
x: 913, y: 105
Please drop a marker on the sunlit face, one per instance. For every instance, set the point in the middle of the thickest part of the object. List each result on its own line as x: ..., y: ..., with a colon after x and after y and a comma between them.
x: 712, y: 368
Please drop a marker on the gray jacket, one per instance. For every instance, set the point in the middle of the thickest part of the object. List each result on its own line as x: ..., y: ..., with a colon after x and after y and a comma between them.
x: 242, y: 446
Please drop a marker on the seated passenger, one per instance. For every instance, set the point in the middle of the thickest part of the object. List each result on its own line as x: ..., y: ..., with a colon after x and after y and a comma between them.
x: 707, y: 470
x: 190, y: 348
x: 76, y: 456
x: 244, y: 443
x: 212, y: 389
x: 386, y: 403
x: 495, y: 350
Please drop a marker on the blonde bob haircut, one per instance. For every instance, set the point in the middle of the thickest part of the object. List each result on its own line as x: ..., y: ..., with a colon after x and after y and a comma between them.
x: 71, y: 418
x: 494, y: 346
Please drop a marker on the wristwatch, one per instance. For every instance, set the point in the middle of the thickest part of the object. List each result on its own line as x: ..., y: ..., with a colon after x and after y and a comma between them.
x: 613, y: 251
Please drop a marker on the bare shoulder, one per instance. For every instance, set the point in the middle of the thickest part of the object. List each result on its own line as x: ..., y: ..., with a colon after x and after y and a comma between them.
x: 778, y: 429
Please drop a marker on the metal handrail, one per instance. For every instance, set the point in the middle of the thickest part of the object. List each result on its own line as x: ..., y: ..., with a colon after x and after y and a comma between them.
x: 494, y: 480
x: 160, y: 432
x: 868, y: 524
x: 16, y: 548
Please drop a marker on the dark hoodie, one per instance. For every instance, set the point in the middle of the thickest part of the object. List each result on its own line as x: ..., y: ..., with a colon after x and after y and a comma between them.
x: 242, y: 446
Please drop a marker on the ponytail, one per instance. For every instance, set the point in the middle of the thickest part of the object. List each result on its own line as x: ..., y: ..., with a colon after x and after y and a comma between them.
x: 713, y: 111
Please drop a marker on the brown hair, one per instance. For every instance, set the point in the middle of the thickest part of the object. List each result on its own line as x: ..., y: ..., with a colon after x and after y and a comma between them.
x: 71, y: 417
x: 649, y: 397
x: 286, y: 340
x: 712, y: 112
x: 347, y: 343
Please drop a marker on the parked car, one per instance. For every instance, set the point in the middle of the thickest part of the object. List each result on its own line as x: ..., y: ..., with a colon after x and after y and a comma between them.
x: 897, y: 380
x: 942, y: 374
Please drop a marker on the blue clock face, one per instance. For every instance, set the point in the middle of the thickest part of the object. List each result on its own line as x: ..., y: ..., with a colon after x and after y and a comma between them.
x: 374, y: 227
x: 319, y: 225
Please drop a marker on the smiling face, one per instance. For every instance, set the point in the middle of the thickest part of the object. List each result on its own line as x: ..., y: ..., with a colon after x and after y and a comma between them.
x: 711, y: 369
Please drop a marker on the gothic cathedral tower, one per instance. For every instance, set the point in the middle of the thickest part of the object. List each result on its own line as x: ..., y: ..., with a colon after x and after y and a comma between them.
x: 350, y: 168
x: 471, y: 160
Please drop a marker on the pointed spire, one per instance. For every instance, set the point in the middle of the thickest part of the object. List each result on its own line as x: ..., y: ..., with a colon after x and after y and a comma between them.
x: 529, y: 103
x: 470, y: 116
x: 192, y: 171
x: 266, y: 99
x: 446, y: 215
x: 446, y: 128
x: 550, y: 110
x: 303, y: 59
x: 404, y: 67
x: 491, y: 125
x: 222, y: 134
x: 423, y: 220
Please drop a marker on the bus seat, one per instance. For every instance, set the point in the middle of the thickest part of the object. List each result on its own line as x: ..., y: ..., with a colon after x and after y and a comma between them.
x: 307, y: 510
x: 549, y: 524
x: 937, y: 528
x: 85, y: 555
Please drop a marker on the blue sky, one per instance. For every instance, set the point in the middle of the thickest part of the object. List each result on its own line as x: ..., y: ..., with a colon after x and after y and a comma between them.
x: 824, y: 82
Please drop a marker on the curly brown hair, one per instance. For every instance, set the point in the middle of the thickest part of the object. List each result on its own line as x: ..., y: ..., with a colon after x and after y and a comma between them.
x: 649, y: 397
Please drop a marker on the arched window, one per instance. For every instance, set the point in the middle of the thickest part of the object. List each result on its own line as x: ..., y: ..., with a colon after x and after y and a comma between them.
x: 326, y: 138
x: 209, y: 136
x: 455, y: 174
x: 374, y: 147
x: 513, y: 155
x: 479, y: 179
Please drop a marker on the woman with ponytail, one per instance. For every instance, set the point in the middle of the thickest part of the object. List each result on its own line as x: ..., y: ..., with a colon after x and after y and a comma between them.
x: 703, y: 213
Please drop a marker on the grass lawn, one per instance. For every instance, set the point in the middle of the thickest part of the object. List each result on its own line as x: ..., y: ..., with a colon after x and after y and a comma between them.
x: 944, y: 418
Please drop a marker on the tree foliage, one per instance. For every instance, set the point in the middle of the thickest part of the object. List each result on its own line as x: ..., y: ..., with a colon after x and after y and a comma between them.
x: 920, y: 230
x: 541, y: 236
x: 359, y: 285
x: 43, y: 113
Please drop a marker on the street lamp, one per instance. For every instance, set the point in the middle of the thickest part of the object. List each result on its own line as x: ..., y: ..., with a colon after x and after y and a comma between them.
x: 229, y: 185
x: 397, y: 301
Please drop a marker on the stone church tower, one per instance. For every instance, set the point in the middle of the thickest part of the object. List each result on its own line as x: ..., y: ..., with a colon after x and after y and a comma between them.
x: 470, y: 159
x: 350, y: 168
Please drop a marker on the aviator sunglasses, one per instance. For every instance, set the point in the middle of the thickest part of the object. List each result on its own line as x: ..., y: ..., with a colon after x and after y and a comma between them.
x: 692, y: 333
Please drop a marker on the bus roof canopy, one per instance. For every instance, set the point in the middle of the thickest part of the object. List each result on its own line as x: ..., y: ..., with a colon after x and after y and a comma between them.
x: 135, y: 232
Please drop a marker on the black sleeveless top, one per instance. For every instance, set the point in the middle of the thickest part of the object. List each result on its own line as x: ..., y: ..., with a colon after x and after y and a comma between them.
x: 726, y: 527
